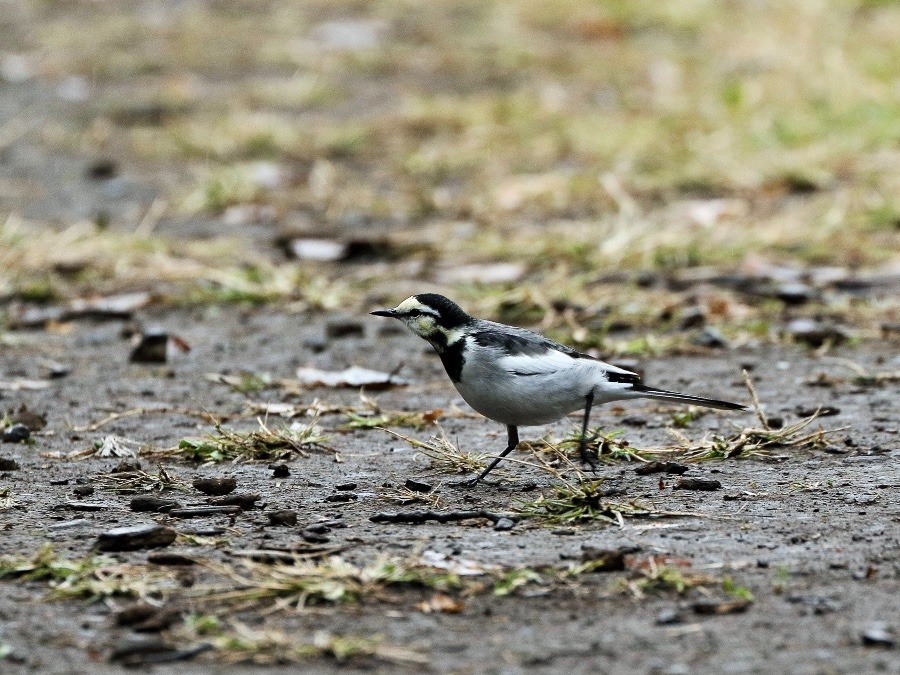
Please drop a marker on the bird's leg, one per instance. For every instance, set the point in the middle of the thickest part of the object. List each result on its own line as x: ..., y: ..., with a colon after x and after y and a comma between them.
x: 587, y: 455
x: 512, y: 433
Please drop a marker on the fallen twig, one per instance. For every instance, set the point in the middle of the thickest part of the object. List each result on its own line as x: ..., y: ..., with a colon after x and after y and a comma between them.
x: 287, y: 555
x: 418, y: 517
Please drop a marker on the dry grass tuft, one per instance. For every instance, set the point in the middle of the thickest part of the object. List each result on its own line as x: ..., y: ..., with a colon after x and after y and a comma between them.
x: 263, y: 444
x: 582, y: 501
x: 445, y: 456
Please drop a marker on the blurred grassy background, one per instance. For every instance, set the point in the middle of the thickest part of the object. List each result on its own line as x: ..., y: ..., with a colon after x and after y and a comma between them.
x: 571, y: 138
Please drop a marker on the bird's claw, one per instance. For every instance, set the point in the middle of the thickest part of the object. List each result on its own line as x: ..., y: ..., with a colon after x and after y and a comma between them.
x: 588, y: 456
x: 466, y: 484
x: 474, y: 482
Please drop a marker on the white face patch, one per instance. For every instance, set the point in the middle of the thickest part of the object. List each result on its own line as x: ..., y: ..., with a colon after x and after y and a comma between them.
x: 422, y: 320
x: 409, y: 304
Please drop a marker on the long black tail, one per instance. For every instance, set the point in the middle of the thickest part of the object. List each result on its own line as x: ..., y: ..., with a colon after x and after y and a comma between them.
x: 662, y: 395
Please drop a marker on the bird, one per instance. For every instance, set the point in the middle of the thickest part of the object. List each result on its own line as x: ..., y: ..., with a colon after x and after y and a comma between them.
x: 520, y: 378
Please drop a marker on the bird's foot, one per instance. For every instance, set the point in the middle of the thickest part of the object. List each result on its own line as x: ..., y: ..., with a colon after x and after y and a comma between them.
x: 473, y: 482
x: 588, y: 456
x: 464, y: 484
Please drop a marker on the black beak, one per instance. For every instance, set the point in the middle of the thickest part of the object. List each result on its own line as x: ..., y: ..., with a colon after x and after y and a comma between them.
x: 385, y: 312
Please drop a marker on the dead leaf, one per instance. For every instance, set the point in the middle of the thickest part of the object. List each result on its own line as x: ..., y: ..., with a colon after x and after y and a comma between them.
x: 730, y: 606
x: 440, y: 602
x: 320, y: 250
x: 459, y: 566
x: 108, y: 307
x: 21, y: 383
x: 115, y: 446
x: 432, y: 416
x: 287, y: 410
x: 354, y: 376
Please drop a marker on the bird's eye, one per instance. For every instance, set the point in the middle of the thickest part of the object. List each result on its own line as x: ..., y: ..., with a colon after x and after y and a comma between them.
x: 414, y: 312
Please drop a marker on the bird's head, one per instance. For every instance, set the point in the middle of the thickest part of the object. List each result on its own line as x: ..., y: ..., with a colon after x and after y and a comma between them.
x: 432, y: 317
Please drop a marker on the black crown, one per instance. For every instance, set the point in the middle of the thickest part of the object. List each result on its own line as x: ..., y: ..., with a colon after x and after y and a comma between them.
x: 451, y: 314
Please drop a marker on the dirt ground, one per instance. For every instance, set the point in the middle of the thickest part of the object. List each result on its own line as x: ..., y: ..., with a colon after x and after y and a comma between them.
x: 813, y: 535
x: 700, y: 189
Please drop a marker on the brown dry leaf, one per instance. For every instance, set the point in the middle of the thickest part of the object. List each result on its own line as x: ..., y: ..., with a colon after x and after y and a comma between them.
x: 718, y: 607
x: 440, y: 602
x: 432, y: 416
x: 287, y: 410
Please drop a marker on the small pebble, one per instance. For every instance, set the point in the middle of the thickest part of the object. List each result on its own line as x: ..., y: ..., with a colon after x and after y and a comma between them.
x: 154, y: 504
x: 563, y: 531
x: 775, y: 422
x: 697, y: 484
x: 215, y: 486
x: 136, y: 537
x: 16, y: 434
x: 142, y: 617
x: 878, y: 635
x: 661, y: 467
x: 246, y: 500
x: 280, y: 470
x: 285, y: 517
x: 814, y: 333
x: 84, y: 506
x: 417, y: 486
x: 127, y: 466
x: 504, y: 524
x: 102, y: 169
x: 795, y: 293
x: 345, y: 486
x: 713, y: 606
x: 83, y: 490
x: 314, y: 537
x: 71, y: 524
x: 204, y: 511
x: 59, y: 371
x: 152, y: 348
x: 710, y: 337
x: 203, y: 531
x: 342, y: 497
x: 668, y: 616
x: 7, y: 464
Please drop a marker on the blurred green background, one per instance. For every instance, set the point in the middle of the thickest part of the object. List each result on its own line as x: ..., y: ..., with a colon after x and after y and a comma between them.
x: 590, y: 165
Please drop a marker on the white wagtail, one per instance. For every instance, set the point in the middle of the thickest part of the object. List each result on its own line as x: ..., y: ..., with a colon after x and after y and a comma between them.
x: 519, y: 378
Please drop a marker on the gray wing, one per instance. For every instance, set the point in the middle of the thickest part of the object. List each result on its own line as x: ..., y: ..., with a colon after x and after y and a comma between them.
x: 521, y: 347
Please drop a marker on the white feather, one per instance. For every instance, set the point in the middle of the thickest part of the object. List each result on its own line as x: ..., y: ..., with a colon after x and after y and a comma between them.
x: 527, y: 390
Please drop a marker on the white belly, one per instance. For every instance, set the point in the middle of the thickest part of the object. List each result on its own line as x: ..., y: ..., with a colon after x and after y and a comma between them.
x: 533, y: 399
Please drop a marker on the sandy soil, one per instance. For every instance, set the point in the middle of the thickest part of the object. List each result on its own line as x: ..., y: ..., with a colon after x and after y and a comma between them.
x: 812, y: 534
